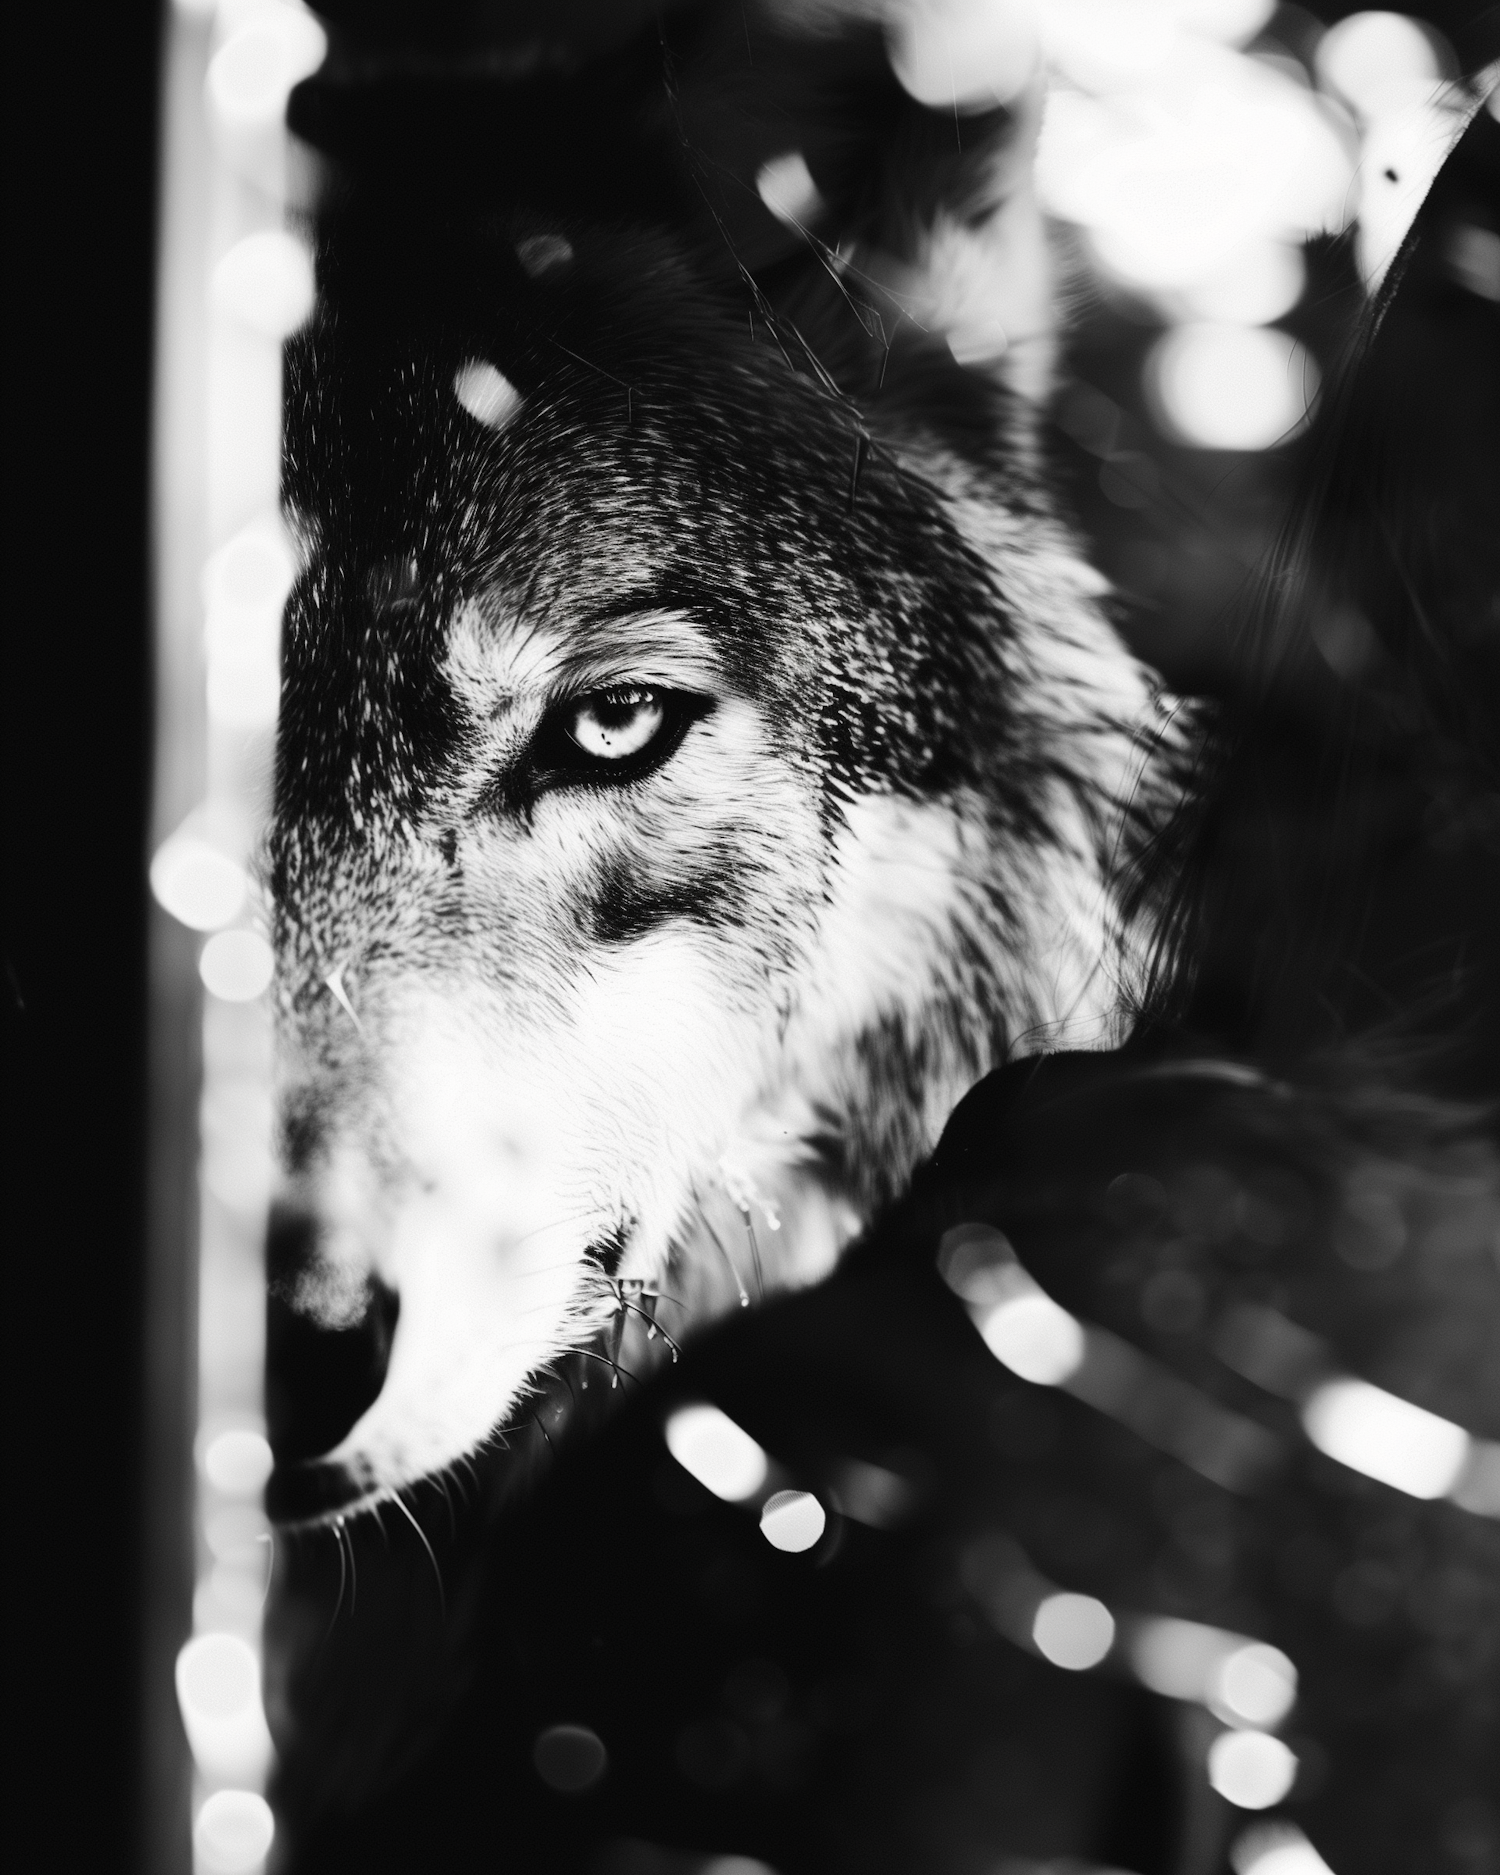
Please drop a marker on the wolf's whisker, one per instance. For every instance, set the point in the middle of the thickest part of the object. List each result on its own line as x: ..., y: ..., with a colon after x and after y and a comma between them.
x: 400, y: 1503
x: 760, y: 1281
x: 588, y: 1354
x: 270, y: 1540
x: 645, y: 1317
x: 338, y: 1538
x: 723, y: 1249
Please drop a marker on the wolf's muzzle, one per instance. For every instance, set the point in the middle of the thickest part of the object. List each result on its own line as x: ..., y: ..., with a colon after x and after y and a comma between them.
x: 318, y: 1380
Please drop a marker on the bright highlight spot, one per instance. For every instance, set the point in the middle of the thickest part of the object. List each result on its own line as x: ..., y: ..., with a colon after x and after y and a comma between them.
x: 238, y: 1534
x: 234, y: 1831
x: 569, y: 1758
x: 1252, y: 1770
x: 236, y: 966
x: 218, y: 1677
x: 236, y: 1125
x: 1105, y: 44
x: 196, y: 883
x: 487, y: 394
x: 792, y: 1520
x: 266, y: 280
x: 256, y: 67
x: 1034, y: 1338
x: 1376, y: 60
x: 1259, y: 284
x: 1231, y: 21
x: 1244, y: 1682
x: 1180, y: 1659
x: 964, y: 54
x: 1073, y: 1631
x: 786, y: 187
x: 719, y: 1454
x: 251, y: 573
x: 1255, y: 1686
x: 1402, y: 153
x: 1230, y: 386
x: 1276, y: 1849
x: 1374, y: 1432
x: 237, y: 1462
x: 244, y: 672
x: 218, y: 1692
x: 1209, y: 153
x: 979, y: 1263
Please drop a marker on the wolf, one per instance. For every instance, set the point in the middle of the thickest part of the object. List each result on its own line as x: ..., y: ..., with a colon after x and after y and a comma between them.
x: 705, y: 751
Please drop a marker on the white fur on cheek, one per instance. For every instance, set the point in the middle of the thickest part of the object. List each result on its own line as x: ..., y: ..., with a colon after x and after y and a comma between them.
x: 476, y: 1312
x: 896, y: 886
x: 524, y: 1147
x: 484, y: 1245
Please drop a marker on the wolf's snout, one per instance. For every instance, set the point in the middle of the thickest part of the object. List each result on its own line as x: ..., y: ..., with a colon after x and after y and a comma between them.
x: 378, y: 1379
x: 319, y: 1380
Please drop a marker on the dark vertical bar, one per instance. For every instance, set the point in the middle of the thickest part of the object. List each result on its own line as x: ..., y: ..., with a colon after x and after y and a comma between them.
x: 82, y: 103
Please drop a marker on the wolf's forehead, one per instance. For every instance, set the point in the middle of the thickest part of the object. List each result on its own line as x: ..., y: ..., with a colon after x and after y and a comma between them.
x: 495, y: 654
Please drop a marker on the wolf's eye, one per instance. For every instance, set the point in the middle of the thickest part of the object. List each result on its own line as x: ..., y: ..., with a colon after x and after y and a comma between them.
x: 613, y: 725
x: 613, y: 736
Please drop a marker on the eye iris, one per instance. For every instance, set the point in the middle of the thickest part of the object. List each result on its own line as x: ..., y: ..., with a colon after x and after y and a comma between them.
x: 617, y: 724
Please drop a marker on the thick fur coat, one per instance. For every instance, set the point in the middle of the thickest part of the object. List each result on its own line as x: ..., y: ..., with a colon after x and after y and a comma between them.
x: 559, y: 1029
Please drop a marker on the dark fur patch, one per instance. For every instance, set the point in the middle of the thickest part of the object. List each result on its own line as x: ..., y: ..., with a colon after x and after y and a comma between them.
x: 627, y: 905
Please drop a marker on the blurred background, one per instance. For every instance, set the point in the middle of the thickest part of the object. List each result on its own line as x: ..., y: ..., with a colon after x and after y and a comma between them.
x: 1227, y: 180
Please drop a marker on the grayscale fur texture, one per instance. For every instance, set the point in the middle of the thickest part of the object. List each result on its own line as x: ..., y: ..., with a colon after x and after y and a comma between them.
x: 570, y: 1055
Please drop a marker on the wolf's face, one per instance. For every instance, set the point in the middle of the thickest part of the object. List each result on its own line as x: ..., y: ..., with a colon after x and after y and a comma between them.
x: 688, y: 784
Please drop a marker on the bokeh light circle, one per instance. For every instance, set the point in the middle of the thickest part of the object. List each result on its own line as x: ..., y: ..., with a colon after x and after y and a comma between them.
x: 266, y: 281
x: 1221, y: 386
x: 792, y: 1521
x: 200, y: 886
x: 253, y: 72
x: 234, y: 1832
x: 486, y: 393
x: 786, y: 187
x: 957, y: 55
x: 569, y: 1758
x: 254, y: 571
x: 236, y: 966
x: 1373, y: 60
x: 237, y: 1462
x: 718, y: 1453
x: 1035, y: 1338
x: 1073, y: 1631
x: 1256, y: 1685
x: 218, y: 1677
x: 1275, y: 1848
x: 1251, y: 1770
x: 1385, y: 1437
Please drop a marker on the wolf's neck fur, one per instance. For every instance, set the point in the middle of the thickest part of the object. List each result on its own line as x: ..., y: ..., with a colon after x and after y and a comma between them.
x: 951, y: 944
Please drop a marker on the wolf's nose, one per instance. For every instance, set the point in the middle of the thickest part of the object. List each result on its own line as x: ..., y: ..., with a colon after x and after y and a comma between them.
x: 318, y: 1380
